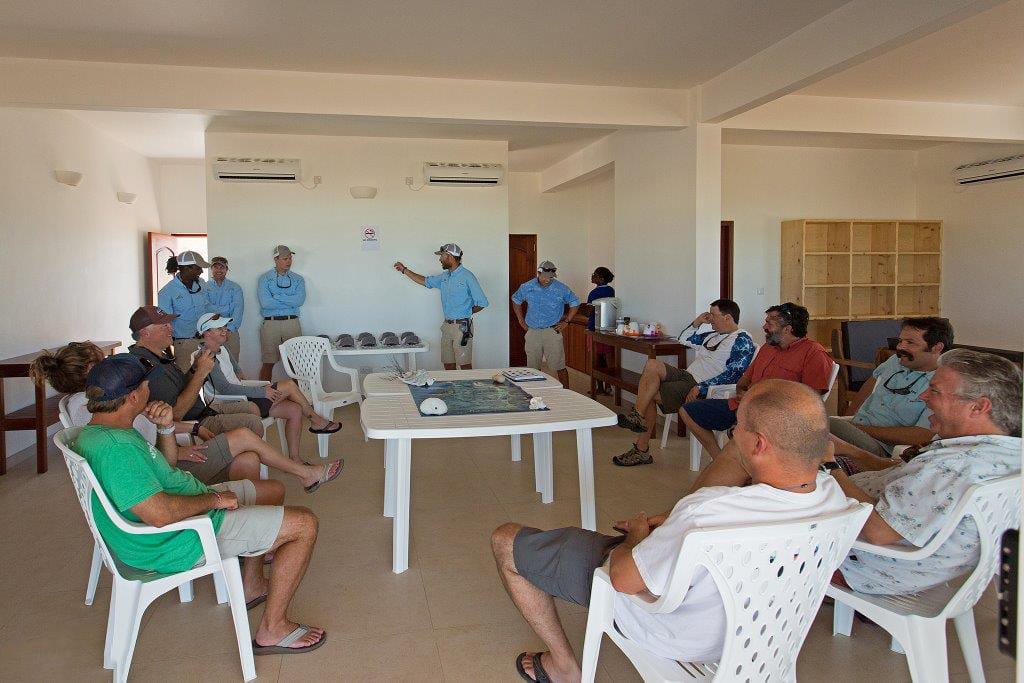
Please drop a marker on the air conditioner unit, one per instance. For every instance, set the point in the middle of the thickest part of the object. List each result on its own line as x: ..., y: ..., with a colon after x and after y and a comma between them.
x: 243, y: 170
x: 452, y: 173
x: 993, y: 169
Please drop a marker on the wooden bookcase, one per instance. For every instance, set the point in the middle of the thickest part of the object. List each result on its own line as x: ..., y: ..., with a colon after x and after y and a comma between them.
x: 848, y: 269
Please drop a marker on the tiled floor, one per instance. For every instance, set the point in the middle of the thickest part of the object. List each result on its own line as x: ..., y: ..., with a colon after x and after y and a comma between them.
x: 447, y: 618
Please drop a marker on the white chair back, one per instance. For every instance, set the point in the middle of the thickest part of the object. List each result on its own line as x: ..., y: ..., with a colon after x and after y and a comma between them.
x: 772, y: 579
x: 831, y: 382
x: 303, y: 359
x: 64, y: 413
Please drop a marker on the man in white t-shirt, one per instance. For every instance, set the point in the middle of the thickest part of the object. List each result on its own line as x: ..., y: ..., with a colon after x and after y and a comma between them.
x: 721, y: 356
x: 781, y: 435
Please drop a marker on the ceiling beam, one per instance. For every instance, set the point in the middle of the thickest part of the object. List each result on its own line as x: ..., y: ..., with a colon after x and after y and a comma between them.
x: 851, y: 34
x: 895, y: 118
x: 102, y: 85
x: 593, y: 160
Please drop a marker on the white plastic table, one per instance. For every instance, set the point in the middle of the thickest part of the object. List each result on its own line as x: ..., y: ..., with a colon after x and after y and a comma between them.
x: 396, y: 419
x: 408, y: 351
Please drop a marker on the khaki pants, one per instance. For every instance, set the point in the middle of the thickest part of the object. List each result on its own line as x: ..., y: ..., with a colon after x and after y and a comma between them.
x: 232, y: 415
x: 452, y: 350
x: 273, y: 333
x: 233, y: 346
x: 183, y: 350
x: 545, y: 344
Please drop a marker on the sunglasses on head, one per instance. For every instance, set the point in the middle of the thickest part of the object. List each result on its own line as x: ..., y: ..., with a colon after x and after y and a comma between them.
x: 548, y: 270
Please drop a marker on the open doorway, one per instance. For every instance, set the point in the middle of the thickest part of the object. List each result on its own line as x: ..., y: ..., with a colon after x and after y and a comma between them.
x: 725, y: 287
x: 522, y: 266
x: 162, y: 246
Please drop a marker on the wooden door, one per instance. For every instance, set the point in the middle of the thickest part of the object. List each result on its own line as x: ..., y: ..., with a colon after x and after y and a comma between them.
x: 522, y: 266
x: 725, y: 288
x: 160, y: 246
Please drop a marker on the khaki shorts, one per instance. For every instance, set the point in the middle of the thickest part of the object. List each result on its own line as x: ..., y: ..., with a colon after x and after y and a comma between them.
x: 674, y: 388
x: 183, y: 350
x: 273, y: 333
x: 232, y: 415
x: 452, y: 350
x: 545, y: 343
x: 218, y: 461
x: 251, y: 529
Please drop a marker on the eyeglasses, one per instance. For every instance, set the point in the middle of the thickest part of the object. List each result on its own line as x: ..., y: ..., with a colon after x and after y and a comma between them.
x: 900, y: 391
x: 548, y: 270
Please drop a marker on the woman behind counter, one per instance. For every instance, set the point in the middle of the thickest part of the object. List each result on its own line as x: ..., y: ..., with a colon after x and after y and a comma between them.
x: 602, y: 279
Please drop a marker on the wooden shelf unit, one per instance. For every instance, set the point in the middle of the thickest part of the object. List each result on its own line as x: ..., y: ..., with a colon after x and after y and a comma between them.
x: 861, y: 269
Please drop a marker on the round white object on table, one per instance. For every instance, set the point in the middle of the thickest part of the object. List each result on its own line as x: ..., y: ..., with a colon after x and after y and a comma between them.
x: 433, y: 406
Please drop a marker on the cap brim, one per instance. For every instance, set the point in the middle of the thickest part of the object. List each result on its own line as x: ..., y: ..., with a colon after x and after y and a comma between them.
x: 165, y: 318
x: 438, y: 253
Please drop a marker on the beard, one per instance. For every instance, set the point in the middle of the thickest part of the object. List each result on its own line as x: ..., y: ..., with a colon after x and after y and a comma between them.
x: 772, y: 338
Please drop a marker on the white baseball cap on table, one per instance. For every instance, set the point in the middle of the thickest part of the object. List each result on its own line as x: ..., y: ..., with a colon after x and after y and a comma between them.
x: 211, y: 321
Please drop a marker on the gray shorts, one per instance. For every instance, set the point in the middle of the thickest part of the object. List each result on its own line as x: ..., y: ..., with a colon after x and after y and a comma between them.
x: 674, y: 388
x: 251, y: 529
x: 218, y: 460
x: 561, y: 562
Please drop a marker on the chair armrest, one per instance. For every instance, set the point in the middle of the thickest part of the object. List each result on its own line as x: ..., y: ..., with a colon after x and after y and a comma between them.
x: 201, y: 524
x: 853, y: 363
x: 896, y: 551
x: 253, y: 382
x: 351, y: 372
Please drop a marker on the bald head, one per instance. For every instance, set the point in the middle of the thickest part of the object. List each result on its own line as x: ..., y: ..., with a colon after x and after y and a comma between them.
x: 790, y: 416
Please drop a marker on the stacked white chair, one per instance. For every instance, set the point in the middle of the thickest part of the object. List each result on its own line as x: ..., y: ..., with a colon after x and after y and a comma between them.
x: 772, y: 579
x: 133, y: 590
x: 918, y: 622
x: 302, y: 358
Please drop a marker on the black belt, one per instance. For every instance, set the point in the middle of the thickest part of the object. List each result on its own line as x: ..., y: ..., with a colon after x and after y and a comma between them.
x: 280, y: 317
x: 183, y: 338
x: 459, y: 320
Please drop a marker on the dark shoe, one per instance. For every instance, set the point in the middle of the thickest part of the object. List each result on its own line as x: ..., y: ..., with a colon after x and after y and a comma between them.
x: 538, y: 670
x: 634, y: 456
x: 634, y: 422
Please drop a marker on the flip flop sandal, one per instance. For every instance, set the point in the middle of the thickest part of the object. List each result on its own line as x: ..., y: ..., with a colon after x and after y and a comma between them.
x: 327, y: 429
x: 538, y: 670
x: 325, y: 476
x: 282, y: 647
x: 255, y: 602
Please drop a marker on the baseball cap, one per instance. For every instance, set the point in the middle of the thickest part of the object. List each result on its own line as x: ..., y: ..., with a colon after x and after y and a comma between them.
x: 547, y: 267
x: 219, y: 259
x: 450, y: 248
x: 191, y: 258
x: 115, y: 376
x: 211, y: 321
x: 149, y: 315
x: 282, y: 250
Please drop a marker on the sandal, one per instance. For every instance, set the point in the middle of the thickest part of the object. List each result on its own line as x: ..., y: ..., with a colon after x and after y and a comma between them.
x: 634, y: 422
x: 282, y: 647
x: 634, y: 456
x: 538, y: 670
x: 326, y: 476
x: 327, y: 429
x: 255, y: 602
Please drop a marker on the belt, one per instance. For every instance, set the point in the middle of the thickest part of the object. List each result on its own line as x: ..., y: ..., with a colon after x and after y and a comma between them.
x: 458, y: 320
x: 280, y: 317
x: 183, y: 338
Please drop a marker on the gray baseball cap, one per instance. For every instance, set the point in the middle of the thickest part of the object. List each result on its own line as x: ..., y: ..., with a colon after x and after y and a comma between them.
x: 450, y: 248
x: 548, y: 267
x: 192, y: 258
x: 282, y: 250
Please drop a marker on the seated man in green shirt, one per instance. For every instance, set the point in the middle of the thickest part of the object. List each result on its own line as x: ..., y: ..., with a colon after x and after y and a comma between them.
x: 145, y: 488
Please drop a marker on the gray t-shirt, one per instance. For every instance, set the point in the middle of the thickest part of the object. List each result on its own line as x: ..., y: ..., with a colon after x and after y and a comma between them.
x: 224, y: 377
x: 916, y: 500
x: 166, y: 381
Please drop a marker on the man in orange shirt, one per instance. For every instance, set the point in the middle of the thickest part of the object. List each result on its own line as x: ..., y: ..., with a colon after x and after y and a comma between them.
x: 787, y: 354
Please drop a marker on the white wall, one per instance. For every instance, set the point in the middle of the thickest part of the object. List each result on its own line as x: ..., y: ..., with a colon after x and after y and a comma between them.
x: 350, y: 290
x: 74, y: 256
x: 181, y: 194
x: 982, y: 244
x: 762, y: 186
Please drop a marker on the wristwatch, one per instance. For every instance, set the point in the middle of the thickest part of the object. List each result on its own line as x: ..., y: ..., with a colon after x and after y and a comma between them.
x: 829, y: 466
x: 195, y: 429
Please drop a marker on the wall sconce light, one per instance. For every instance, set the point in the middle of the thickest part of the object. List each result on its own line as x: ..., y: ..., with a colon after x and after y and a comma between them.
x: 363, y: 192
x: 71, y: 178
x: 126, y: 197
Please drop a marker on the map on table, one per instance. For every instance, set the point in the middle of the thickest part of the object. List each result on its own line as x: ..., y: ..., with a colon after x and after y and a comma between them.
x: 474, y: 397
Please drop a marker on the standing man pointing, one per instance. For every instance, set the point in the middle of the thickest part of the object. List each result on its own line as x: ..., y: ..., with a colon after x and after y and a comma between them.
x: 461, y: 297
x: 281, y: 293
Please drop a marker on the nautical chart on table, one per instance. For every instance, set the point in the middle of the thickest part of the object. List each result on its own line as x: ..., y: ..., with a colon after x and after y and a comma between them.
x: 474, y: 396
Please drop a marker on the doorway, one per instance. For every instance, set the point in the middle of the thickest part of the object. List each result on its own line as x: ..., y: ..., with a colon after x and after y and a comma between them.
x: 725, y: 268
x: 162, y: 246
x: 522, y: 266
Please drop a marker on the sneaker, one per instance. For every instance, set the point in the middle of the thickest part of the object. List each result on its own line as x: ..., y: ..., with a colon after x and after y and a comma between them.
x: 634, y: 456
x: 634, y: 422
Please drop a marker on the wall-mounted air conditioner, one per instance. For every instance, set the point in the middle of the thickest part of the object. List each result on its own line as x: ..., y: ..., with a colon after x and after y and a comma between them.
x: 453, y: 173
x: 993, y: 169
x: 244, y: 170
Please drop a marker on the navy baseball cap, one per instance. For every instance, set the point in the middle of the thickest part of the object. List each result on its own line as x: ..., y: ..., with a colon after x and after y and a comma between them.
x: 116, y: 376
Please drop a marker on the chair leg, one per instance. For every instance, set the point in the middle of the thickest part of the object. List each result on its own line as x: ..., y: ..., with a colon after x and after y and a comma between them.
x: 968, y: 637
x: 600, y: 612
x: 517, y: 448
x: 185, y: 593
x: 111, y: 646
x: 926, y: 651
x: 94, y: 573
x: 220, y: 588
x: 695, y: 452
x: 281, y: 436
x: 232, y: 577
x: 669, y: 419
x: 126, y: 627
x: 842, y: 619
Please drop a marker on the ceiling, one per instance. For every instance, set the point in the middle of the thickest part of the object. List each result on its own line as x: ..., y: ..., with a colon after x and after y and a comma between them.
x: 979, y: 60
x: 649, y: 43
x: 785, y: 138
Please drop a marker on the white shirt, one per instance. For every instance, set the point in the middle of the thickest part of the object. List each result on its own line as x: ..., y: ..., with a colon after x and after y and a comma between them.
x: 695, y: 632
x: 916, y: 499
x: 80, y: 415
x: 711, y: 358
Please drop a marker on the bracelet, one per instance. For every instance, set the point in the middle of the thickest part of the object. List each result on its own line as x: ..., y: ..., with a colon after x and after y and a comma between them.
x: 195, y: 429
x: 165, y: 430
x: 216, y: 495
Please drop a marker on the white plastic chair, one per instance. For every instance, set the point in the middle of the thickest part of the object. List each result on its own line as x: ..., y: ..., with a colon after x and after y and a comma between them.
x: 728, y: 391
x: 302, y: 358
x: 772, y: 579
x: 134, y: 590
x: 917, y: 622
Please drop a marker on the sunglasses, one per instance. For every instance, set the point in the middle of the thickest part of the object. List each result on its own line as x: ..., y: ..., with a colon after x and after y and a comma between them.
x: 548, y: 270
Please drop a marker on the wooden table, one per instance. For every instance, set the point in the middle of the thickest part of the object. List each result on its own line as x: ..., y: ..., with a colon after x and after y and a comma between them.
x: 38, y: 416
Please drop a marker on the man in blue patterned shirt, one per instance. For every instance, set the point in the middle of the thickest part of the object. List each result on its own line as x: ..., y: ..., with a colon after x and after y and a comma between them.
x: 722, y: 354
